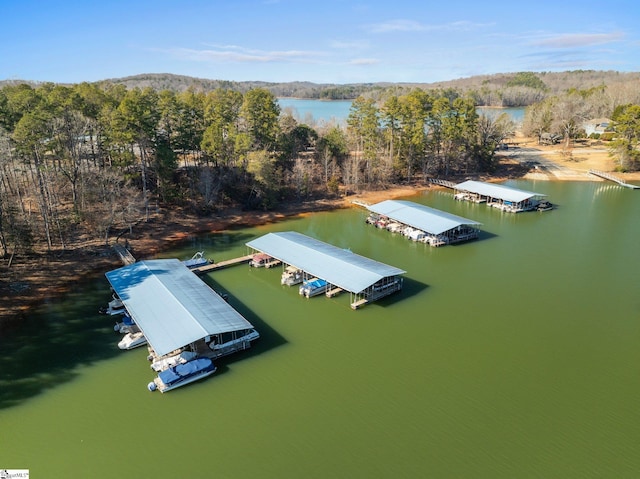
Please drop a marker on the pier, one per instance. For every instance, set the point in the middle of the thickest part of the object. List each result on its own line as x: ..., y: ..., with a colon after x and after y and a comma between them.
x: 445, y: 183
x: 125, y: 255
x: 222, y: 264
x: 331, y: 292
x: 359, y: 303
x: 610, y: 177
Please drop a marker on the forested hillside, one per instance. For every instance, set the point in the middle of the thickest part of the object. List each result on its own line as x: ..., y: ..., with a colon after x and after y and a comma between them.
x: 96, y: 159
x: 504, y: 89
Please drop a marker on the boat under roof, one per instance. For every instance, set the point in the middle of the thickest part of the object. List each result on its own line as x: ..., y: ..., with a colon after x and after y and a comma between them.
x: 171, y: 305
x: 429, y: 220
x: 492, y: 190
x: 340, y: 267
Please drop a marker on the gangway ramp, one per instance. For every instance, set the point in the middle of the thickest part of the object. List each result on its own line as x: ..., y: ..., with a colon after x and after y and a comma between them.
x: 610, y: 177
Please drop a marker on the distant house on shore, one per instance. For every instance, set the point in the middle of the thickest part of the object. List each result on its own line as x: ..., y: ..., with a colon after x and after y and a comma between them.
x: 596, y: 125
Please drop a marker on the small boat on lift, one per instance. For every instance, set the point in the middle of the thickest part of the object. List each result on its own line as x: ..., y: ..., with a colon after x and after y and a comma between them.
x: 313, y: 287
x: 197, y: 260
x: 182, y: 374
x: 171, y: 361
x: 114, y: 307
x: 544, y: 205
x: 132, y: 340
x: 127, y: 325
x: 291, y: 275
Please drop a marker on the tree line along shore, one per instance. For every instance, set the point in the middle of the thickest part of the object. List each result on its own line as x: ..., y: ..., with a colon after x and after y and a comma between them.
x: 85, y: 165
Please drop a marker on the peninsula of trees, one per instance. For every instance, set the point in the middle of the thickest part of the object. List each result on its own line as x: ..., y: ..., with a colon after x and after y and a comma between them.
x: 98, y: 158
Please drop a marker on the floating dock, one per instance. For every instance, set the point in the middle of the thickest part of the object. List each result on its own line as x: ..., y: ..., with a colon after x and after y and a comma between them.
x: 422, y: 223
x: 222, y: 264
x: 610, y: 177
x: 342, y: 269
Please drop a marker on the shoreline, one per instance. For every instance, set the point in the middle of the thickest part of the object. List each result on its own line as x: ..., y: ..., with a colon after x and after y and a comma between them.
x: 44, y: 277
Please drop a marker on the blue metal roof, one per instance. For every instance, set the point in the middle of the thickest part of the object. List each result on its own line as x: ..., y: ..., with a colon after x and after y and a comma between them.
x: 171, y: 305
x: 429, y: 220
x: 337, y: 266
x: 492, y: 190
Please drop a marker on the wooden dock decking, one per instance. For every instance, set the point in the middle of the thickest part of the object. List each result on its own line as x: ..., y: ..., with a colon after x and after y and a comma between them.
x: 610, y: 177
x: 358, y: 304
x: 125, y: 255
x: 222, y: 264
x: 364, y: 204
x: 333, y: 292
x: 445, y: 183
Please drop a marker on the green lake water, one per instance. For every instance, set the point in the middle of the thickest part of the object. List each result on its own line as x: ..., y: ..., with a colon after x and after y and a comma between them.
x: 513, y: 356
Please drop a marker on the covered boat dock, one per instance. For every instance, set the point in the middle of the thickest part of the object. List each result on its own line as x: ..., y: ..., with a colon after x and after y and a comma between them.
x: 502, y: 197
x: 422, y: 223
x: 367, y: 280
x: 176, y: 310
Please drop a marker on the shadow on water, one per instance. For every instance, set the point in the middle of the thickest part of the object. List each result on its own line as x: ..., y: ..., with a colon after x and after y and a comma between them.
x: 410, y: 287
x: 483, y: 235
x: 53, y: 341
x: 60, y: 336
x: 269, y: 337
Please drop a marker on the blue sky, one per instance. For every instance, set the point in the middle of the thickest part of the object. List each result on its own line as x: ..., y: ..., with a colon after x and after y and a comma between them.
x: 328, y: 41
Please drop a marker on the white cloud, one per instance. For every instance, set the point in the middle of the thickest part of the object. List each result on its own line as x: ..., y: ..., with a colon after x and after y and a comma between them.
x: 235, y: 53
x: 573, y: 40
x: 414, y: 26
x: 364, y: 61
x: 396, y: 26
x: 350, y: 45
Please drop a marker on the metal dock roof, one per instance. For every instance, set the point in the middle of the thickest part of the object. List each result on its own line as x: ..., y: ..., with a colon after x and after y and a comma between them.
x: 429, y: 220
x: 339, y: 267
x: 171, y: 305
x: 492, y: 190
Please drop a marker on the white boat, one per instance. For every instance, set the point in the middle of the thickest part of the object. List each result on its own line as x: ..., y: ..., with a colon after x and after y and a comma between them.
x: 132, y: 340
x: 313, y: 287
x: 249, y: 336
x: 182, y: 374
x: 544, y: 206
x: 416, y: 235
x: 197, y: 260
x: 435, y: 240
x: 291, y: 275
x: 171, y: 361
x: 114, y: 307
x: 372, y: 218
x: 127, y: 325
x: 395, y: 227
x: 407, y: 231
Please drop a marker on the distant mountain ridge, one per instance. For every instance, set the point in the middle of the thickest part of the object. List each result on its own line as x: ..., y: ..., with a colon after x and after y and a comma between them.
x: 555, y: 82
x: 545, y: 83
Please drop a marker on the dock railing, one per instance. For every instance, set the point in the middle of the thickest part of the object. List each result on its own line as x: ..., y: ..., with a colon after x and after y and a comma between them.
x: 610, y: 177
x: 445, y: 183
x: 125, y: 255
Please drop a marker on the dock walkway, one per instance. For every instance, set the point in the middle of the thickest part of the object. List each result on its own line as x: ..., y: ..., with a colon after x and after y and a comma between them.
x: 445, y: 183
x: 125, y: 255
x: 222, y: 264
x: 610, y: 177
